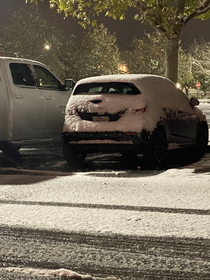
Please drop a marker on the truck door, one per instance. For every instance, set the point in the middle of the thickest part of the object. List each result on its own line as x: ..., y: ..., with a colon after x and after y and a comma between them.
x: 27, y: 102
x: 55, y: 100
x: 4, y: 108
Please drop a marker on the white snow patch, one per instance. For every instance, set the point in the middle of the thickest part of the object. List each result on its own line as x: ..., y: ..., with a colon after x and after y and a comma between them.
x: 169, y: 191
x: 83, y: 202
x: 62, y: 273
x: 106, y: 221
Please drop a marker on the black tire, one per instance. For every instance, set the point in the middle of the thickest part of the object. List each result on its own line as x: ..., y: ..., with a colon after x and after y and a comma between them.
x: 202, y: 139
x: 9, y: 149
x: 155, y: 152
x: 73, y: 155
x: 129, y: 160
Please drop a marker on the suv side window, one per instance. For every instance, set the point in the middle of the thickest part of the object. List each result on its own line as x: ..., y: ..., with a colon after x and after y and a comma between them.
x: 21, y: 74
x: 46, y: 79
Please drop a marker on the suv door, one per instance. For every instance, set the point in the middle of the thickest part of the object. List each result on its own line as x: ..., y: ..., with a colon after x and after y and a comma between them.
x: 188, y: 125
x: 27, y: 109
x: 55, y: 100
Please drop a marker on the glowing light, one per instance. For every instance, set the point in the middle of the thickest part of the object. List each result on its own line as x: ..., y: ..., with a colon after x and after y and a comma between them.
x: 47, y: 47
x: 123, y: 68
x: 178, y: 85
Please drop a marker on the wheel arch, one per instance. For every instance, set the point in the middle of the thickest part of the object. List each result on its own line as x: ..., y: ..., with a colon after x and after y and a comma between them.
x: 200, y: 124
x: 161, y: 127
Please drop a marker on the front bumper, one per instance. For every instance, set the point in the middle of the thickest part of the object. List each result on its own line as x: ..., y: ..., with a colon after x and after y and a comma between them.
x: 117, y: 141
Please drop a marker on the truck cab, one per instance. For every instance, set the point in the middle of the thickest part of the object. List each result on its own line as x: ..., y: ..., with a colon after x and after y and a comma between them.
x: 33, y: 101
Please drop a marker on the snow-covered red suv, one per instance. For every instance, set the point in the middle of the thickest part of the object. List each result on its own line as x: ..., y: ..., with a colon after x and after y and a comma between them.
x: 130, y: 114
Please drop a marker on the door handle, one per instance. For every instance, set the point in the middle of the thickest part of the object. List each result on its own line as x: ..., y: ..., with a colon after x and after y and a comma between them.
x: 18, y: 96
x: 48, y: 98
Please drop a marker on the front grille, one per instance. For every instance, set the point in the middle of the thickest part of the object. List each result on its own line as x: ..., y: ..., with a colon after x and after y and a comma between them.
x: 90, y: 116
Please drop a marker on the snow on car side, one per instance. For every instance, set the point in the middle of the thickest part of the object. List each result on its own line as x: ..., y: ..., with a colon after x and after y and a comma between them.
x: 132, y: 112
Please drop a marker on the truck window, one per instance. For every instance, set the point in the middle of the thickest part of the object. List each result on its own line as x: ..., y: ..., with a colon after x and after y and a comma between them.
x: 21, y: 74
x: 46, y: 79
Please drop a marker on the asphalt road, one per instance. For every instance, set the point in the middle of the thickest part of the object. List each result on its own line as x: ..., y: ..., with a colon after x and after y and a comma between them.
x: 123, y: 257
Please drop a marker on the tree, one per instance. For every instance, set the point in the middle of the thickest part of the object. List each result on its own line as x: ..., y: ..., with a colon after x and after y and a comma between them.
x: 147, y: 56
x: 200, y: 59
x: 99, y: 53
x: 32, y: 36
x: 168, y: 17
x: 185, y: 74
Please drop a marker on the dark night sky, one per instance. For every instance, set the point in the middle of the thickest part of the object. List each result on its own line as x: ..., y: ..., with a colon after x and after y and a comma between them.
x: 125, y: 30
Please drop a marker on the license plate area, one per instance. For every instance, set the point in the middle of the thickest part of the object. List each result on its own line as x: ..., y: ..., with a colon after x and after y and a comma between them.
x: 100, y: 118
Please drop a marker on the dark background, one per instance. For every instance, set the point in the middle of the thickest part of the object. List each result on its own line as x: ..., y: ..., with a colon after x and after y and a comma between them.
x: 124, y: 30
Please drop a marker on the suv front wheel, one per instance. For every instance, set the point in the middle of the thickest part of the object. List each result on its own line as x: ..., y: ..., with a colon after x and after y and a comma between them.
x: 155, y: 152
x: 202, y: 139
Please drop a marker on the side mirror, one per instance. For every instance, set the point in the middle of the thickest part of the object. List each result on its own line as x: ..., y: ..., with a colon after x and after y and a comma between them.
x: 69, y: 84
x: 194, y: 101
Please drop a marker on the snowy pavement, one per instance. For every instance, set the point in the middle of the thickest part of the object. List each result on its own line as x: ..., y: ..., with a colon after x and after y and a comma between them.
x: 175, y: 202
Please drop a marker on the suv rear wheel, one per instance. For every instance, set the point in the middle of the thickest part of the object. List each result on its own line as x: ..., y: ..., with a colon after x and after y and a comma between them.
x: 75, y: 156
x: 129, y: 160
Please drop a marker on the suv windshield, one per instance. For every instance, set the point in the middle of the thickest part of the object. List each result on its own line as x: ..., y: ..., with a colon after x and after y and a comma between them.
x: 112, y: 88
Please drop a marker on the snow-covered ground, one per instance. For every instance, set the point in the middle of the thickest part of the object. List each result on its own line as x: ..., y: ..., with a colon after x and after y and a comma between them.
x: 171, y: 203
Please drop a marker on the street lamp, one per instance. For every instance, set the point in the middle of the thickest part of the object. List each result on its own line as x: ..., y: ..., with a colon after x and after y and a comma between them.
x: 178, y: 85
x: 46, y: 47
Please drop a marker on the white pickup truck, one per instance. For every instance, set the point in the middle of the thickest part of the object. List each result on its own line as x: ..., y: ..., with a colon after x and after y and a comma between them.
x: 33, y: 102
